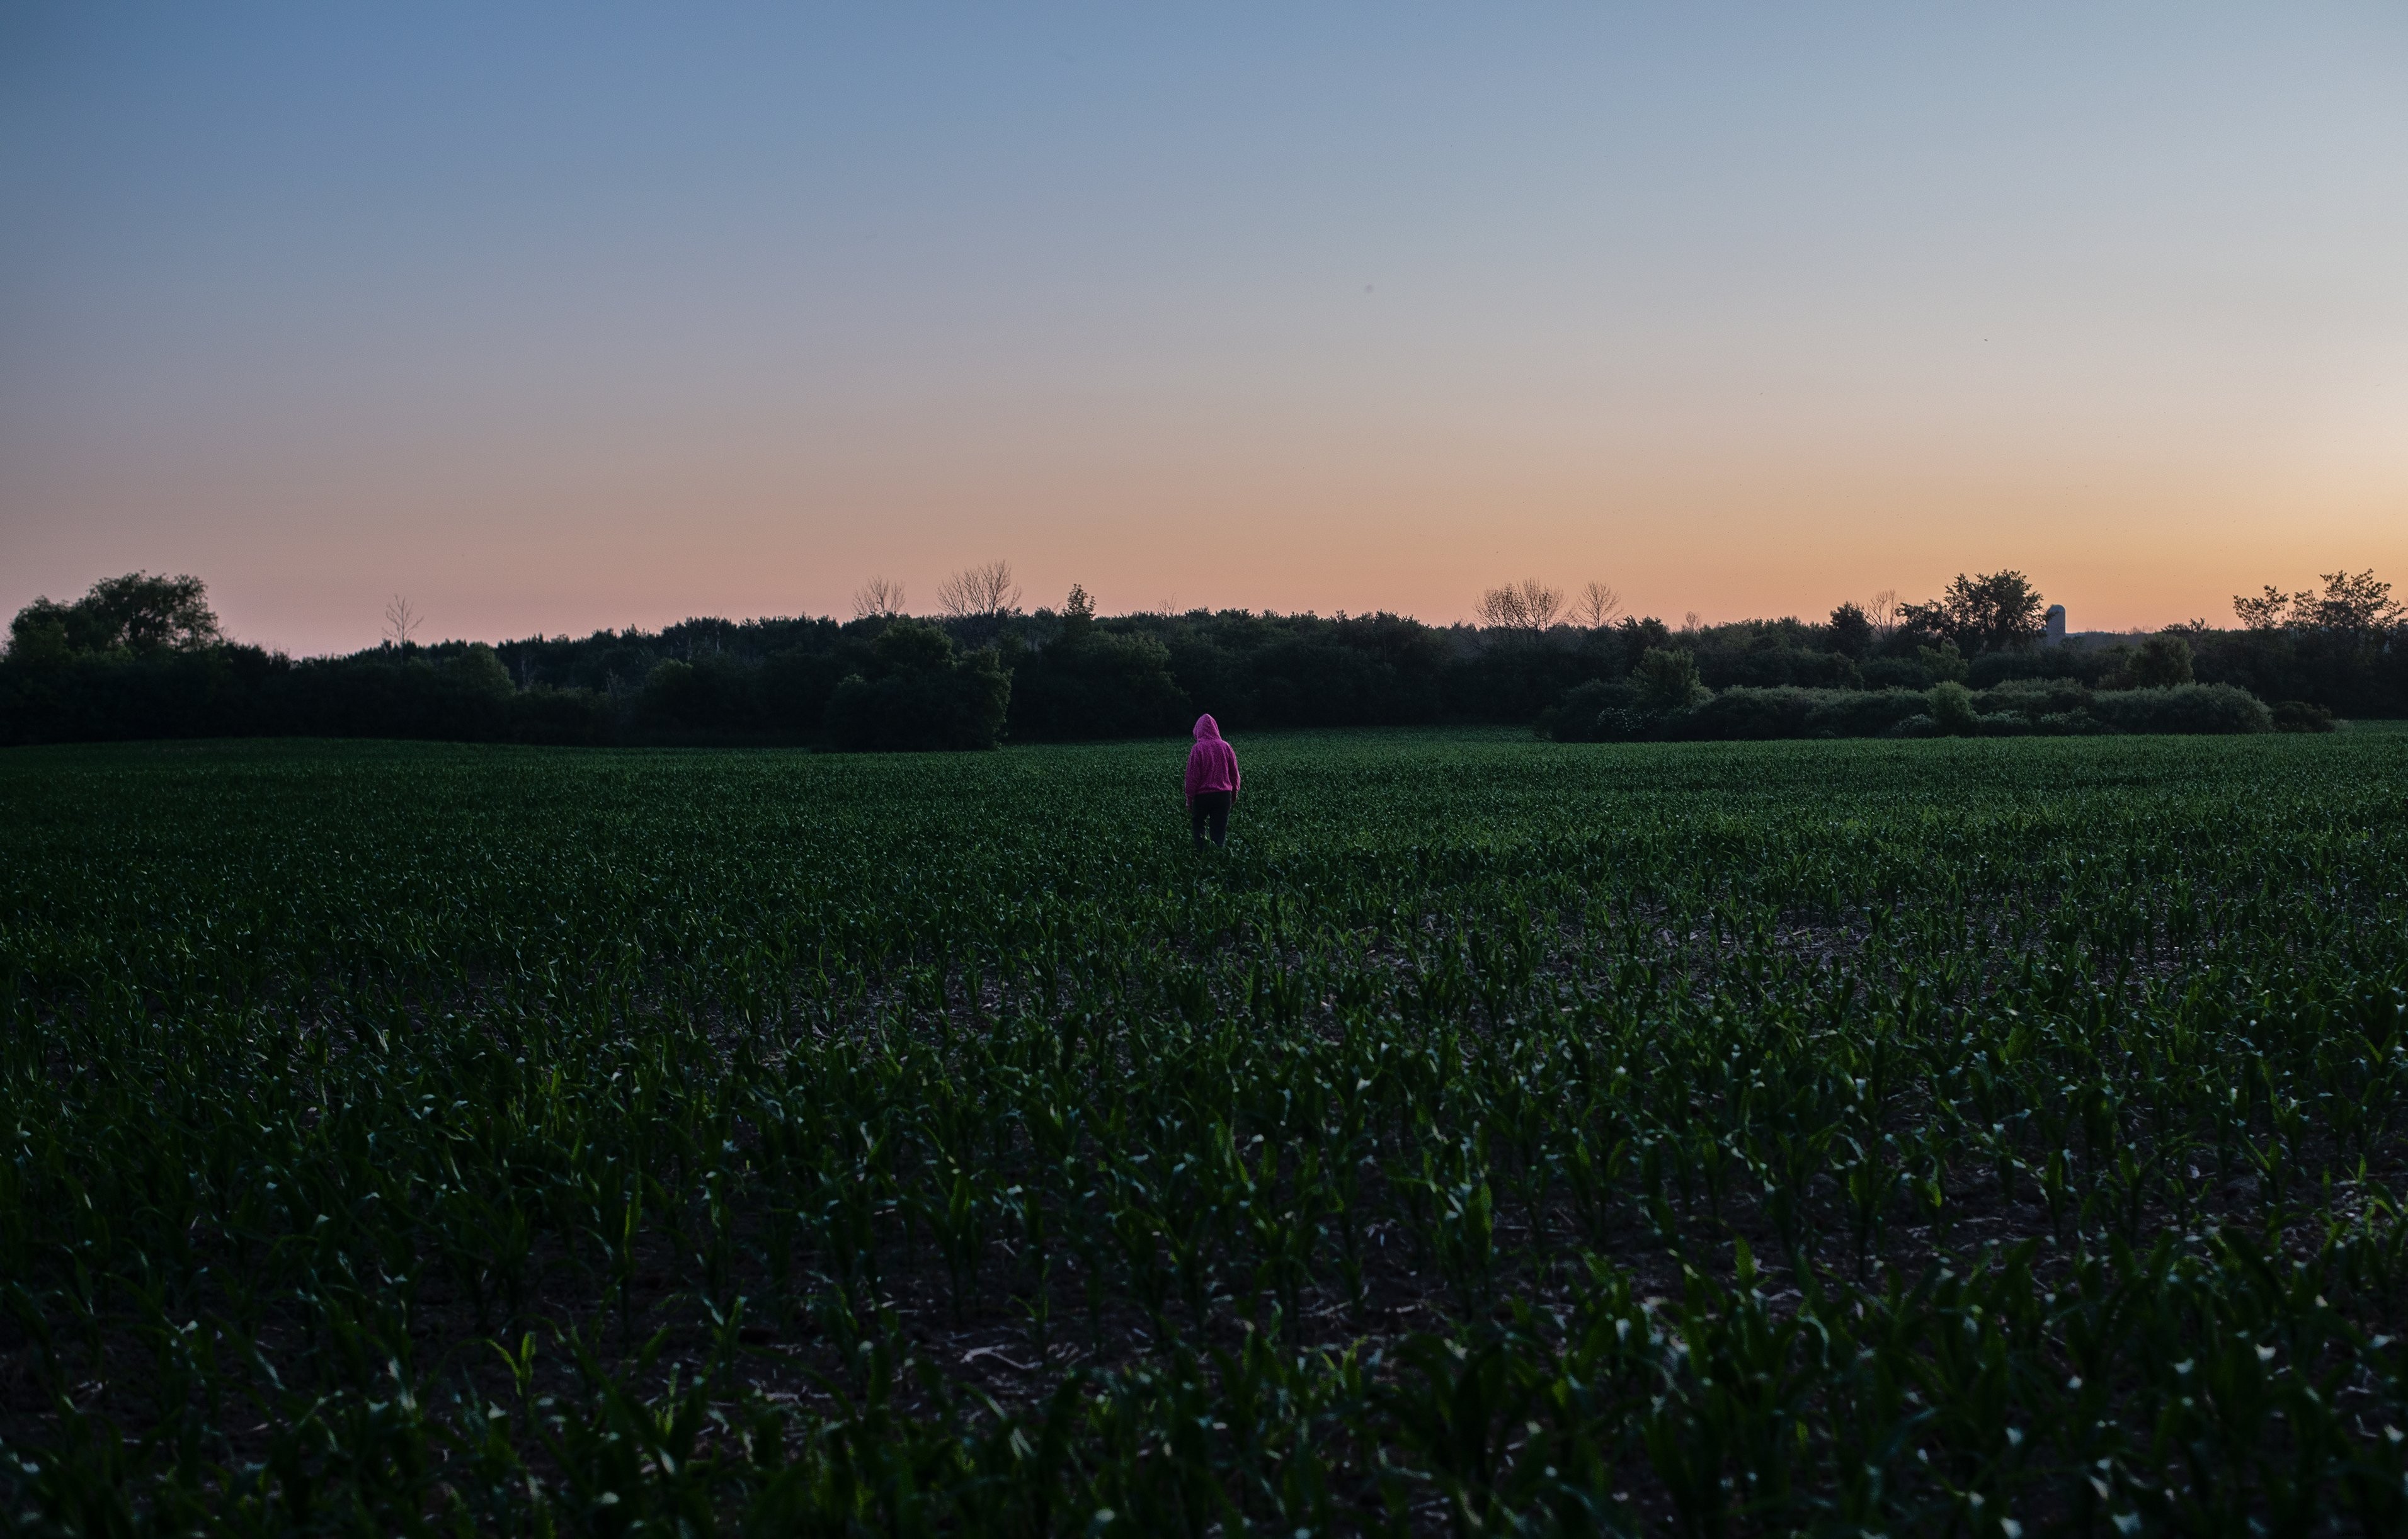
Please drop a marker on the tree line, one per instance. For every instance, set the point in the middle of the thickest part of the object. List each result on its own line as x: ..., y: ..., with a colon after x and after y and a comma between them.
x: 142, y: 656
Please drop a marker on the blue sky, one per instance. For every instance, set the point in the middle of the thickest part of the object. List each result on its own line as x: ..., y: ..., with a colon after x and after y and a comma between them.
x: 561, y: 317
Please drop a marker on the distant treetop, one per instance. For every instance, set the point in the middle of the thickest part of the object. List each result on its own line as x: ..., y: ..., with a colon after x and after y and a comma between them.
x: 136, y: 613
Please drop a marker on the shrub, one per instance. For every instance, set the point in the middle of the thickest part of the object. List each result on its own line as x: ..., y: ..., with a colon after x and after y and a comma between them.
x: 2067, y: 724
x: 1627, y: 725
x: 1952, y: 709
x: 1667, y: 680
x: 2033, y: 698
x: 2162, y: 662
x: 1741, y: 714
x: 1862, y: 713
x: 2299, y: 716
x: 1745, y: 713
x: 2212, y: 708
x: 1573, y: 719
x: 1944, y: 662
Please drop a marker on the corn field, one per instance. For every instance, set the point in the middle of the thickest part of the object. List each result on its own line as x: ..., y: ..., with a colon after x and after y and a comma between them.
x: 1501, y: 1137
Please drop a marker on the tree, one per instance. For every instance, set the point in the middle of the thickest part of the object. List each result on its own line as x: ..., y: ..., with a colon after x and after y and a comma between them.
x: 39, y: 633
x: 475, y: 670
x: 981, y: 593
x: 878, y: 599
x: 401, y: 622
x: 136, y: 613
x: 1597, y: 604
x: 1090, y: 683
x: 1852, y: 630
x: 2341, y: 649
x: 1078, y: 617
x: 1881, y: 610
x: 147, y: 614
x: 917, y: 693
x: 2352, y: 604
x: 1991, y: 612
x: 2265, y: 612
x: 1529, y: 605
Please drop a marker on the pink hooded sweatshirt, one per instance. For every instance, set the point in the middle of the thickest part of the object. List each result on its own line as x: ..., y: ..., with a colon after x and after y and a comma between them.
x: 1211, y: 763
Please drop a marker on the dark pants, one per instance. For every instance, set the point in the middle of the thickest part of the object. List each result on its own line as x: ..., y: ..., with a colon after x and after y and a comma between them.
x: 1212, y: 807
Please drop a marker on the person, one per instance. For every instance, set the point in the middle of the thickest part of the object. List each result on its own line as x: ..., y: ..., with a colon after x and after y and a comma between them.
x: 1212, y: 782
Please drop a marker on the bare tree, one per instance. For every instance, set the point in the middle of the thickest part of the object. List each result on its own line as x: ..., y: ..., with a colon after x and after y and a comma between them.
x: 877, y: 598
x: 1881, y: 610
x: 1529, y: 605
x: 401, y: 622
x: 1597, y: 604
x: 1541, y: 603
x: 983, y: 592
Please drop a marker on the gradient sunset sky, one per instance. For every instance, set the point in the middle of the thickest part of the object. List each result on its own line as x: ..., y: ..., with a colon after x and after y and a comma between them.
x: 554, y: 318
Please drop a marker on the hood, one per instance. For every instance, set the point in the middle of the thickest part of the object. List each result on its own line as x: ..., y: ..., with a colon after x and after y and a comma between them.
x: 1206, y: 728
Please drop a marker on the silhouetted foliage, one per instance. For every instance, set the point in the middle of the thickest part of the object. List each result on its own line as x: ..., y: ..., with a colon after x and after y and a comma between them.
x: 1998, y: 609
x: 2183, y: 708
x: 1918, y: 667
x: 141, y: 656
x: 1261, y: 670
x: 2092, y: 666
x: 2018, y: 708
x: 1745, y: 713
x: 1851, y: 631
x: 2160, y: 663
x: 2344, y: 648
x: 136, y: 614
x: 1088, y: 683
x: 1666, y: 680
x: 1951, y: 709
x: 918, y: 694
x: 1574, y: 719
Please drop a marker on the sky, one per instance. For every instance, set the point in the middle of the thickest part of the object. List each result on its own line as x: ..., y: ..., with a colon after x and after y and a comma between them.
x: 557, y: 317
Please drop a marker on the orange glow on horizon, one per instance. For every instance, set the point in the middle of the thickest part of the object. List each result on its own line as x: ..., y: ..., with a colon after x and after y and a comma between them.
x: 558, y: 323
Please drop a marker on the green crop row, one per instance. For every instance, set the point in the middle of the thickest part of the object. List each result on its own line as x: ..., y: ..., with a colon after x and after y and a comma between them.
x: 1979, y: 1138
